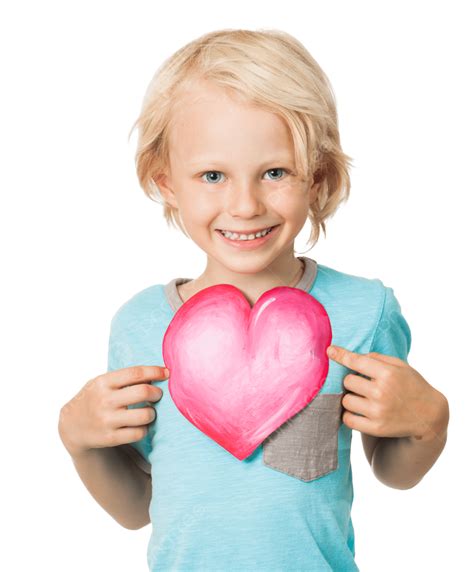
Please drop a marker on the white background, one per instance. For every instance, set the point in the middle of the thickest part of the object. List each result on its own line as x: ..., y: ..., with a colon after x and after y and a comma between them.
x: 79, y: 237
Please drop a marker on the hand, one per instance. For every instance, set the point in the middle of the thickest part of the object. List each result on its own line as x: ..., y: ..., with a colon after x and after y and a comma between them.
x: 98, y: 416
x: 395, y: 402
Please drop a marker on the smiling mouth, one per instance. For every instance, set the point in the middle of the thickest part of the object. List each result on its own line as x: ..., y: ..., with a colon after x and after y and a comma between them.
x: 247, y: 236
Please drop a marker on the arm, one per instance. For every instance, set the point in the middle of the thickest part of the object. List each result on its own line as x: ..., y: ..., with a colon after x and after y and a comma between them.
x: 95, y: 423
x: 401, y: 462
x: 403, y: 418
x: 400, y: 457
x: 115, y: 481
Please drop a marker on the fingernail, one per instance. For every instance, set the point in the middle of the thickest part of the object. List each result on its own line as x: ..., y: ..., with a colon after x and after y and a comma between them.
x: 166, y: 372
x: 331, y: 351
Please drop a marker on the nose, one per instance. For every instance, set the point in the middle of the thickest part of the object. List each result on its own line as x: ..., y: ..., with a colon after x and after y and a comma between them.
x: 244, y: 200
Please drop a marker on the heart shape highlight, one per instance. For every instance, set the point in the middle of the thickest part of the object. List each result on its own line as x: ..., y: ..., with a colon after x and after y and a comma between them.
x: 239, y: 372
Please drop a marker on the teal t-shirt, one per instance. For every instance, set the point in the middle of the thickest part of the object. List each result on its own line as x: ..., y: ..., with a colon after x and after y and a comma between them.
x: 288, y: 505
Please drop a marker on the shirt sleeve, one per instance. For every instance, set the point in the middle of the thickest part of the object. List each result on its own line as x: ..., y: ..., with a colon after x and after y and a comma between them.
x: 392, y: 335
x: 120, y: 356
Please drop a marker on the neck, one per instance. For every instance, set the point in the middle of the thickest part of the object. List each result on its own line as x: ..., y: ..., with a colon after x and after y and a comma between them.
x: 286, y: 270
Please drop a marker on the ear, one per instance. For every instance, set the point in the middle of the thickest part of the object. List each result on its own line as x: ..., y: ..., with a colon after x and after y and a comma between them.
x: 313, y: 192
x: 314, y: 189
x: 166, y: 191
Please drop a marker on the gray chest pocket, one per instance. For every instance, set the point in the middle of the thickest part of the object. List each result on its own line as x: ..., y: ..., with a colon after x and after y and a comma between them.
x: 306, y: 445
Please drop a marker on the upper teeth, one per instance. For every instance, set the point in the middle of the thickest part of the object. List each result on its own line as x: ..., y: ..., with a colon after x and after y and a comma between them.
x: 235, y: 236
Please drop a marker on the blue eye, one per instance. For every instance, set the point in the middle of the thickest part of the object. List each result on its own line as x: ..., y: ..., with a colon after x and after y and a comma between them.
x: 220, y: 173
x: 207, y: 172
x: 276, y: 169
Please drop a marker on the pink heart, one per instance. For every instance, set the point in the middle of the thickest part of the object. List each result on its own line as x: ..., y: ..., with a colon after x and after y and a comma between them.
x: 236, y: 372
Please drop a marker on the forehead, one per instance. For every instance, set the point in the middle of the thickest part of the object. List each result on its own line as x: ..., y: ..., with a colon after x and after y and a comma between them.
x: 201, y: 93
x: 211, y: 118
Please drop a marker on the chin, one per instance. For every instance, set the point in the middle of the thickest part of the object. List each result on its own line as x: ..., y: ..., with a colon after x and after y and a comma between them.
x: 246, y: 262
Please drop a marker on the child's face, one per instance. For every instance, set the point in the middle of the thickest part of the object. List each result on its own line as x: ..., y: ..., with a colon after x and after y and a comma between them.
x: 232, y: 168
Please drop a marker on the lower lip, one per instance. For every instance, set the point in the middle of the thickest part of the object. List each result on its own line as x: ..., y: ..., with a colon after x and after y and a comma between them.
x: 250, y: 244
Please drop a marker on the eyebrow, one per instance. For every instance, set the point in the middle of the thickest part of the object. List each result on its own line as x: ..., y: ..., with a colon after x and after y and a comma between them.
x: 211, y: 161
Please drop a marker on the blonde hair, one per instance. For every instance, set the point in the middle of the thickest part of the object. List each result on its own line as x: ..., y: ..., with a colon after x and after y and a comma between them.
x: 271, y: 69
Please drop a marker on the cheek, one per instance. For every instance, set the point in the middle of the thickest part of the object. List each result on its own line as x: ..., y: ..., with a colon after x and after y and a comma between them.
x: 197, y: 212
x: 289, y: 200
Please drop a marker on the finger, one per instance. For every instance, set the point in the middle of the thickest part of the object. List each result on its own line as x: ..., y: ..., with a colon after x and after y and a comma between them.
x: 135, y: 417
x: 356, y: 404
x: 357, y: 362
x: 387, y: 359
x: 358, y: 384
x: 358, y: 422
x: 136, y: 394
x: 124, y: 435
x: 137, y: 374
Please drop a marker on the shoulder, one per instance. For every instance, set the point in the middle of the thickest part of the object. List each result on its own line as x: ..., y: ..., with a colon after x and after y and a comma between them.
x: 135, y: 327
x: 373, y: 307
x: 345, y: 284
x: 147, y: 304
x: 365, y: 309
